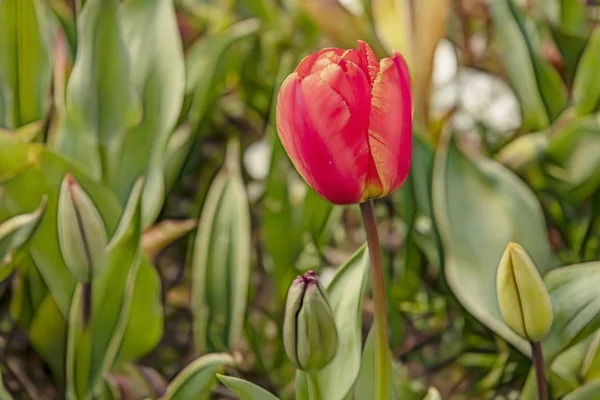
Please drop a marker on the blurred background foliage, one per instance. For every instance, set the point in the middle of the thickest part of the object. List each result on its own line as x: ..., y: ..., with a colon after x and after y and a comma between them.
x: 202, y: 251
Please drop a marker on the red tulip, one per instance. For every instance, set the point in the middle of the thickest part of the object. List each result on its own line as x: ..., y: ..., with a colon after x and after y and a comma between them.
x: 345, y: 120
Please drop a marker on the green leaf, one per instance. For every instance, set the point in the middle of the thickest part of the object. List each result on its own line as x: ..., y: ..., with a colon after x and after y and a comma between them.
x: 198, y: 379
x: 281, y: 210
x: 78, y: 350
x: 536, y: 83
x: 99, y: 101
x: 315, y: 216
x: 30, y: 171
x: 95, y: 345
x: 29, y: 290
x: 591, y: 365
x: 245, y: 390
x: 178, y: 149
x: 48, y: 334
x: 205, y: 67
x: 152, y: 38
x: 586, y: 87
x: 24, y: 62
x: 480, y: 207
x: 576, y: 304
x: 364, y: 387
x: 575, y: 161
x: 15, y: 232
x: 221, y: 260
x: 113, y: 289
x: 590, y: 391
x: 345, y: 293
x: 146, y: 314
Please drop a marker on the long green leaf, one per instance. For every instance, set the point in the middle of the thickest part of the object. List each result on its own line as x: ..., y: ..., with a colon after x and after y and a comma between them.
x: 48, y: 334
x: 574, y: 294
x: 575, y: 161
x: 24, y: 62
x: 591, y: 391
x: 586, y: 87
x: 221, y: 260
x: 99, y: 101
x: 154, y: 45
x: 245, y: 390
x: 15, y: 232
x: 205, y: 67
x: 113, y: 289
x: 198, y: 379
x: 536, y: 83
x: 345, y: 293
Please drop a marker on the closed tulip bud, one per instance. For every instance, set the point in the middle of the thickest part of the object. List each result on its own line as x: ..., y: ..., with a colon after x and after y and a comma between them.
x: 310, y: 334
x: 81, y: 231
x: 345, y: 120
x: 522, y: 296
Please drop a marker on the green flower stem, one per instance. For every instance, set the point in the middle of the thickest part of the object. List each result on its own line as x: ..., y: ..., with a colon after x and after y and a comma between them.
x: 540, y: 370
x: 382, y: 360
x: 313, y: 387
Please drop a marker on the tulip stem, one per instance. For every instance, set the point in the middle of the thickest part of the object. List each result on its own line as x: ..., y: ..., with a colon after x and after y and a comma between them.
x: 540, y: 370
x: 382, y: 356
x: 313, y: 387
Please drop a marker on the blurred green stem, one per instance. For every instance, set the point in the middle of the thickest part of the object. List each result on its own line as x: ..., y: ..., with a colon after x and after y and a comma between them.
x: 540, y: 370
x: 313, y: 387
x: 382, y: 360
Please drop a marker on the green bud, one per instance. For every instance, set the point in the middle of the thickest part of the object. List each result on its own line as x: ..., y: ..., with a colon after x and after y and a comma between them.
x: 81, y: 232
x: 310, y: 336
x: 522, y: 296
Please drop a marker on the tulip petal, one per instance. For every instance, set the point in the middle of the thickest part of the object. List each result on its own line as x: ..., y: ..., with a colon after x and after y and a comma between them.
x: 306, y: 65
x: 390, y: 125
x: 364, y: 57
x: 313, y: 122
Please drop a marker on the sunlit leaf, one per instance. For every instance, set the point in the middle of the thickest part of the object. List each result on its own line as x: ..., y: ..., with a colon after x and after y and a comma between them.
x: 414, y: 29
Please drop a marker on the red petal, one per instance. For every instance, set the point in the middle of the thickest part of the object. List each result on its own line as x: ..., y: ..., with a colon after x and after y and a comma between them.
x: 313, y: 122
x: 306, y: 65
x: 364, y: 57
x: 390, y: 125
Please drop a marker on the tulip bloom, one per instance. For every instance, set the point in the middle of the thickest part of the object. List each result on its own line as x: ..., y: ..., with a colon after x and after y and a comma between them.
x: 345, y: 120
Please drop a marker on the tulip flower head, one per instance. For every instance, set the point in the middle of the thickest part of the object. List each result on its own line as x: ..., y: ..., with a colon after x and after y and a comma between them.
x: 345, y: 120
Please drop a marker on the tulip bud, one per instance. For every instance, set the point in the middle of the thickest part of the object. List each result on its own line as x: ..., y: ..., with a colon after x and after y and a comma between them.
x: 522, y: 296
x: 310, y: 334
x: 81, y: 232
